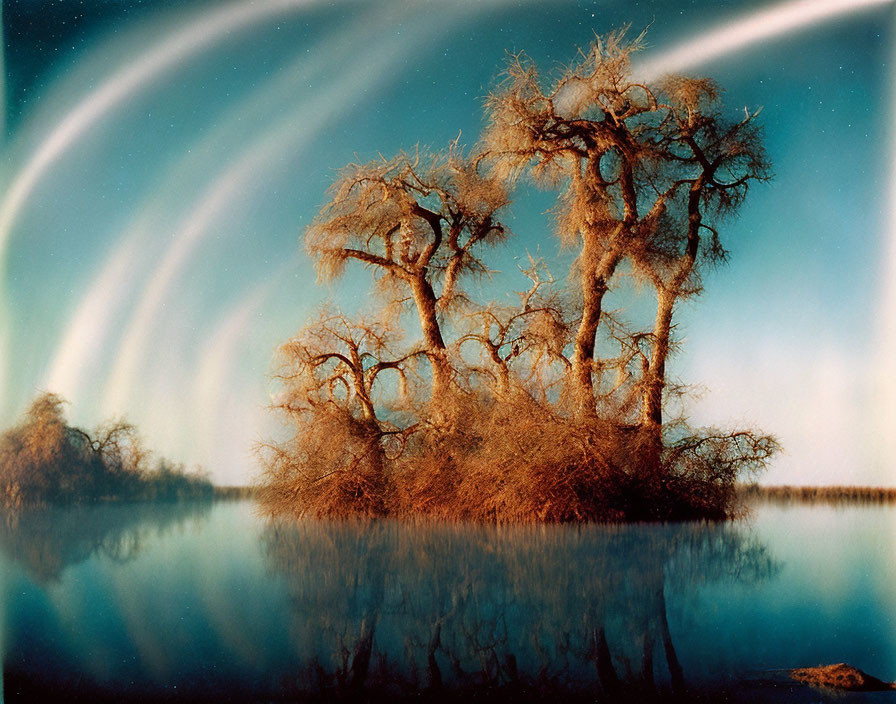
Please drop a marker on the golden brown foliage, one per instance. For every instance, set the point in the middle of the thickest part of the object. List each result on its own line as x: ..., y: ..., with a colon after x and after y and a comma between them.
x: 841, y: 676
x: 552, y: 409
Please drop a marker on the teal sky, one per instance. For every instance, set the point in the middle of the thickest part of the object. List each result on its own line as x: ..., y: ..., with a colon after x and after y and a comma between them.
x: 153, y: 262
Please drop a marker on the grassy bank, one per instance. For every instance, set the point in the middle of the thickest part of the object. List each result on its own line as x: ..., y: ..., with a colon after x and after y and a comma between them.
x: 819, y: 494
x: 234, y: 493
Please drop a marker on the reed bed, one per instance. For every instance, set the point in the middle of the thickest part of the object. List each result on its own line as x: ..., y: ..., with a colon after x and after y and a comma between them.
x: 820, y: 494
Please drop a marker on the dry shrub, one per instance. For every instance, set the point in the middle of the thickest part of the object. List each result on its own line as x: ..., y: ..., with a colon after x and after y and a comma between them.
x: 703, y: 470
x: 519, y: 461
x: 509, y: 461
x: 332, y: 466
x: 840, y: 676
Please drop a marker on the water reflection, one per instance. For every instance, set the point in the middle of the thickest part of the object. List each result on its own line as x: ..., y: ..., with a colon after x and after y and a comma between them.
x: 207, y: 601
x: 45, y: 542
x: 212, y: 603
x: 396, y: 610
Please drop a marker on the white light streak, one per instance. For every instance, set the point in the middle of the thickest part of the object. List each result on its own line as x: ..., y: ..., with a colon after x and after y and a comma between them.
x: 289, y: 137
x: 747, y: 31
x: 87, y: 333
x: 71, y: 367
x: 204, y: 31
x: 223, y: 435
x: 207, y: 28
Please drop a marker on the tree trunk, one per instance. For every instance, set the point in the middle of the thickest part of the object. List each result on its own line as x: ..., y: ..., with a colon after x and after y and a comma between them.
x: 654, y: 384
x: 425, y: 300
x: 503, y: 381
x: 666, y: 295
x: 595, y: 284
x: 363, y: 395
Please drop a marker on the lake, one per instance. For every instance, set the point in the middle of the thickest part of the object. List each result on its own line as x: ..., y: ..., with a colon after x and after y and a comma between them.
x: 212, y: 601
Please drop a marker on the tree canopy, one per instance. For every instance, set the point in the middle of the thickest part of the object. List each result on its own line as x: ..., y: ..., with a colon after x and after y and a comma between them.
x: 552, y: 409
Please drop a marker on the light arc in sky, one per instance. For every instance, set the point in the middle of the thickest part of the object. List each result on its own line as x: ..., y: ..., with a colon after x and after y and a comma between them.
x: 764, y: 24
x: 87, y: 332
x: 205, y: 29
x: 288, y: 136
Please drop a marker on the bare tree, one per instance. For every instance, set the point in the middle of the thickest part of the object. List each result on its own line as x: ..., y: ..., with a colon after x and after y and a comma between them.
x: 711, y: 163
x: 626, y: 156
x: 419, y: 221
x: 533, y: 335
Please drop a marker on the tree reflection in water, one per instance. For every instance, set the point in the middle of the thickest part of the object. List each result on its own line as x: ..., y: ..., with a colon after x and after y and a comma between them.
x: 47, y: 541
x: 399, y: 609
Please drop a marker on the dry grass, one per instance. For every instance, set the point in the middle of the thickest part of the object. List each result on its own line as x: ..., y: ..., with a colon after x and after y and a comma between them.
x: 840, y: 676
x: 820, y: 494
x: 515, y: 462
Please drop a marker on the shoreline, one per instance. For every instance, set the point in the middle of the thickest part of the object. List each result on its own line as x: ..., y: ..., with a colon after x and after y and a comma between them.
x: 818, y: 494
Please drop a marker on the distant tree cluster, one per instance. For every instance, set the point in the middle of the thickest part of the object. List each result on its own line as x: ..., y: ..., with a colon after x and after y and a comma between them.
x: 551, y: 409
x: 44, y: 460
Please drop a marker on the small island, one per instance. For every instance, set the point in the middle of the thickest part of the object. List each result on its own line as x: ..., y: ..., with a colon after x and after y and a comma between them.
x: 350, y: 354
x: 441, y: 403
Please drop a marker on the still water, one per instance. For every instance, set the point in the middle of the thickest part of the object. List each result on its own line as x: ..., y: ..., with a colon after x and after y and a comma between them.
x: 213, y: 600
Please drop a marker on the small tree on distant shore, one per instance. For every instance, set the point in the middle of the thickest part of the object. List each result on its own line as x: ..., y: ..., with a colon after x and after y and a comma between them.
x: 45, y: 460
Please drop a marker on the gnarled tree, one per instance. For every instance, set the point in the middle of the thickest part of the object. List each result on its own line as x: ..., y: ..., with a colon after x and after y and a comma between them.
x: 419, y: 222
x: 709, y: 162
x: 329, y: 374
x: 548, y: 410
x: 639, y: 168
